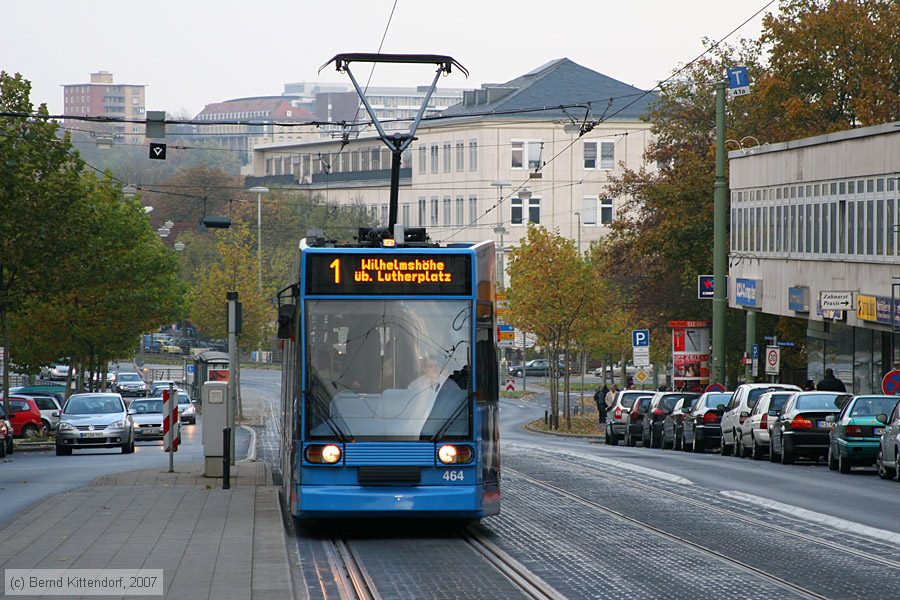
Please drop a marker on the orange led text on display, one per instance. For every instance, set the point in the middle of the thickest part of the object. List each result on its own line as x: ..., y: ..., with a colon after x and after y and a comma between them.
x: 379, y: 270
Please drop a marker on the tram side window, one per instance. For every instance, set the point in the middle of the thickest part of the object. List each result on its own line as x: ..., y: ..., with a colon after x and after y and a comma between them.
x: 486, y: 377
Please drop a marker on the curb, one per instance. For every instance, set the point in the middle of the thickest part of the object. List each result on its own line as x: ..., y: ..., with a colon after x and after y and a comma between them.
x: 579, y: 436
x: 32, y: 447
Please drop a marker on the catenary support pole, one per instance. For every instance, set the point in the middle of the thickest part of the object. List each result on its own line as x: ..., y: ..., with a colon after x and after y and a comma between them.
x: 748, y: 344
x: 720, y: 251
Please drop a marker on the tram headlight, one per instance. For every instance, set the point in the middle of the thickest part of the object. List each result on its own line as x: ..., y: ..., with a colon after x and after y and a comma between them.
x: 328, y: 454
x: 455, y: 455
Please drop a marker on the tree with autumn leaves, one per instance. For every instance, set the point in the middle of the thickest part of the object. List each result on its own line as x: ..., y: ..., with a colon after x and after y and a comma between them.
x: 550, y: 291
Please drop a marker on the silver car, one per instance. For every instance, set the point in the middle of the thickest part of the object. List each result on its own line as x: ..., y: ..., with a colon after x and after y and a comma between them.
x: 130, y: 384
x: 888, y: 460
x: 753, y: 434
x: 147, y: 415
x: 94, y: 421
x: 49, y: 407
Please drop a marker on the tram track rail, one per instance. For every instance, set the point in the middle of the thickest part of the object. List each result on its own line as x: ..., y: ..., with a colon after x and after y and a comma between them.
x: 349, y: 573
x: 524, y: 580
x: 757, y: 523
x: 681, y: 541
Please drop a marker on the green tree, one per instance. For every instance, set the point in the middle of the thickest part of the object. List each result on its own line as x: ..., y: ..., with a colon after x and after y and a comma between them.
x: 39, y: 195
x: 236, y: 272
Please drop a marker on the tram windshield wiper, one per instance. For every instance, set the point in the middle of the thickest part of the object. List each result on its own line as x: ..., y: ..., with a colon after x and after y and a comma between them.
x: 452, y: 418
x: 320, y: 407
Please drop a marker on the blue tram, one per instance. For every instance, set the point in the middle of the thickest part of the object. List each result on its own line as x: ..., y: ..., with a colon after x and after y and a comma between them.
x: 389, y: 381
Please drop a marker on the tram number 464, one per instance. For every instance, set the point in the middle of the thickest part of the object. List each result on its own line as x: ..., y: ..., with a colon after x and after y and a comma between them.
x: 453, y: 476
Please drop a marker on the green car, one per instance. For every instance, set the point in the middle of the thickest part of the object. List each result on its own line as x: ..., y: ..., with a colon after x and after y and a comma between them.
x: 856, y: 434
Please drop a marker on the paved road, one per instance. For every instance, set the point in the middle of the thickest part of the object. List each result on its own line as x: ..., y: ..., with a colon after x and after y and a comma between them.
x: 28, y: 477
x: 860, y: 497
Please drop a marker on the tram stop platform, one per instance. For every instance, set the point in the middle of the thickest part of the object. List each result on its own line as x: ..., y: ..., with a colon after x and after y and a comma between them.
x: 210, y: 542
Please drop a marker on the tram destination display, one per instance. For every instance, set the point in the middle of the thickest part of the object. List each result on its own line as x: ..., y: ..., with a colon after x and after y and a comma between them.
x: 388, y: 274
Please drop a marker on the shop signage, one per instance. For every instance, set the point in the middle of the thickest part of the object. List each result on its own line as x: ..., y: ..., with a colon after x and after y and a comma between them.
x: 748, y: 292
x: 798, y: 299
x: 875, y: 308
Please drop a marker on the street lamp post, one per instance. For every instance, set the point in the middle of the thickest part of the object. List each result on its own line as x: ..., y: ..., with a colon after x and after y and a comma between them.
x: 260, y: 190
x: 500, y: 230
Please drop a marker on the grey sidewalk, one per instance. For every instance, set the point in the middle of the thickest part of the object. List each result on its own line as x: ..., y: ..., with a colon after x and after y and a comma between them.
x: 211, y: 543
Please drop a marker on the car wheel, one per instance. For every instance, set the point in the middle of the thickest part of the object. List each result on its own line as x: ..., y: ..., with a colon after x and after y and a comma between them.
x: 756, y: 451
x: 685, y: 446
x: 3, y: 449
x: 832, y: 461
x: 844, y: 463
x: 787, y: 456
x: 29, y: 431
x: 60, y: 451
x: 519, y: 373
x: 738, y: 446
x: 630, y: 441
x: 727, y: 449
x: 883, y: 471
x: 128, y: 448
x: 772, y: 456
x: 896, y: 465
x: 45, y: 428
x: 676, y: 443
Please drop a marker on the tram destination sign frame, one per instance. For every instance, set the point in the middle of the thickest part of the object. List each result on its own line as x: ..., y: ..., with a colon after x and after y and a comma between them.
x: 394, y: 274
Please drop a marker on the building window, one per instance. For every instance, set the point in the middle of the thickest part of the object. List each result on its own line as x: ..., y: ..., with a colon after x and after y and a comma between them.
x: 473, y: 209
x: 434, y: 158
x: 519, y: 208
x: 473, y: 155
x: 447, y: 210
x: 384, y: 214
x: 376, y: 159
x: 607, y: 155
x: 406, y: 214
x: 448, y: 158
x: 460, y: 210
x: 421, y: 211
x: 526, y: 150
x: 434, y: 210
x: 423, y: 155
x: 460, y: 156
x: 589, y: 210
x: 606, y: 211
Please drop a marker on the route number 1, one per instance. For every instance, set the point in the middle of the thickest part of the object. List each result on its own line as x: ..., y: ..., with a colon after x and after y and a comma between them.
x: 336, y: 265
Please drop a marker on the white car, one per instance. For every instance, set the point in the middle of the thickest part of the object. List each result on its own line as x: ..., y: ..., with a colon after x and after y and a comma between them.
x: 738, y: 409
x: 55, y: 371
x: 753, y: 435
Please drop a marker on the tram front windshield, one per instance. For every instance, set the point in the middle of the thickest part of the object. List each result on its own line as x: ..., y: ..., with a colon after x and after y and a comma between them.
x: 388, y: 370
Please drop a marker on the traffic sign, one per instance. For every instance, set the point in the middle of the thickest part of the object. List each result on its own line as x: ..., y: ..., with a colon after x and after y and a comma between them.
x: 715, y: 387
x: 754, y: 361
x: 640, y: 337
x: 641, y: 376
x: 640, y: 356
x: 157, y: 151
x: 836, y: 301
x: 890, y: 385
x: 506, y: 335
x: 738, y: 81
x: 773, y: 360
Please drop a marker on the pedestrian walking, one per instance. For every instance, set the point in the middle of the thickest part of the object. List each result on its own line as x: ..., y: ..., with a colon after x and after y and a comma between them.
x: 600, y: 401
x: 830, y: 383
x: 611, y: 397
x: 809, y: 386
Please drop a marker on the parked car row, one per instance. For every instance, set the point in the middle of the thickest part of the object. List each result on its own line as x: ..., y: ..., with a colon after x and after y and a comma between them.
x: 760, y: 420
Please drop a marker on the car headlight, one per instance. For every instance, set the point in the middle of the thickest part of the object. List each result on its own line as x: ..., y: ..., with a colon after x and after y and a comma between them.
x: 116, y: 425
x: 63, y: 426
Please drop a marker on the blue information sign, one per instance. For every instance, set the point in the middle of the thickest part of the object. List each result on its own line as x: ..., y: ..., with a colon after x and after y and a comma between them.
x: 640, y: 338
x: 738, y: 78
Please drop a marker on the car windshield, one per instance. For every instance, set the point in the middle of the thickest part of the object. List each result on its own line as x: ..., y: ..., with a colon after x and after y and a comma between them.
x: 776, y: 402
x: 141, y: 407
x: 869, y: 406
x: 388, y: 369
x: 818, y: 402
x: 713, y: 399
x: 93, y: 405
x: 669, y: 401
x: 129, y: 377
x: 628, y: 398
x: 183, y: 398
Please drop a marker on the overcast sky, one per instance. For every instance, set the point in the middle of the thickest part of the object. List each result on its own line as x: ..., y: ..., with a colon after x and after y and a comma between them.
x: 190, y: 53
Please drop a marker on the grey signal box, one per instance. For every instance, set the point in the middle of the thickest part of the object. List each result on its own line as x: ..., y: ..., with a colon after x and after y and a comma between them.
x: 156, y: 124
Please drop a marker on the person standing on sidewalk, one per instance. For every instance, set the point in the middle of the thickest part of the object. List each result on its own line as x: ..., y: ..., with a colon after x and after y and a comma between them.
x: 600, y: 401
x: 830, y: 383
x: 611, y: 397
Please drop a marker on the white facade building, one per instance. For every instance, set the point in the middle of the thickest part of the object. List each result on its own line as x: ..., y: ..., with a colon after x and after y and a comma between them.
x: 466, y: 174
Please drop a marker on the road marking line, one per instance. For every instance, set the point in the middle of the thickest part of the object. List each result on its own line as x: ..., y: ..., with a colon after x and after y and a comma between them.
x: 612, y: 463
x: 816, y: 517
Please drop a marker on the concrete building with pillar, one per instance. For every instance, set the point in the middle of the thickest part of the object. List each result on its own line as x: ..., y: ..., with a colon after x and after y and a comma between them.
x: 818, y: 215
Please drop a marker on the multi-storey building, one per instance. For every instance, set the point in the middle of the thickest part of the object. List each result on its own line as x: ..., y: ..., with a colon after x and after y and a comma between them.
x: 819, y: 215
x: 104, y: 98
x: 507, y: 155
